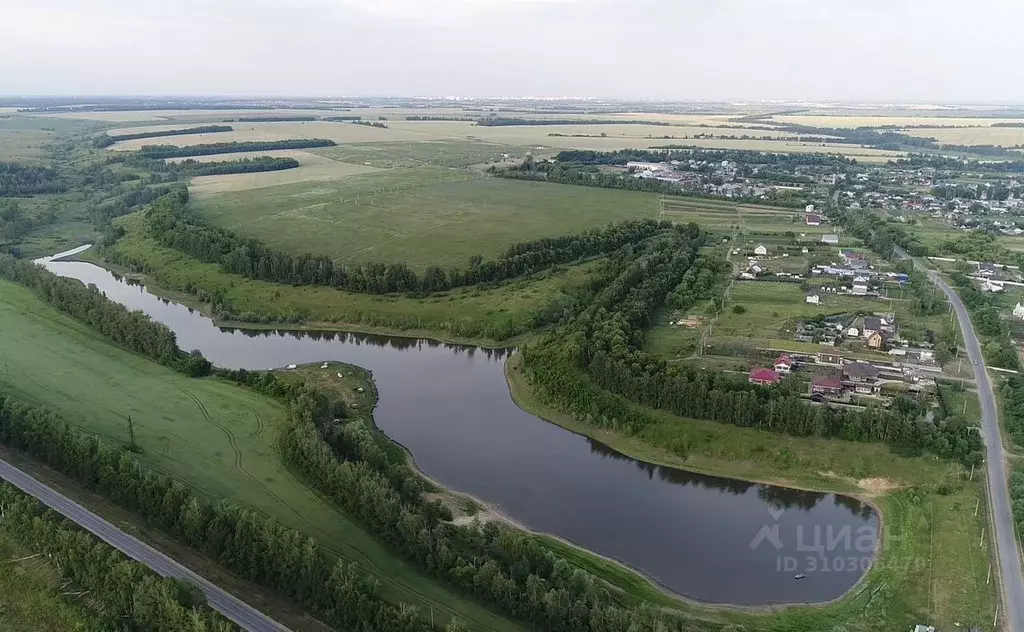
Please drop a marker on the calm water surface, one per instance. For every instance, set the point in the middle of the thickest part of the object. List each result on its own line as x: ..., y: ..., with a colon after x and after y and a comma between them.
x: 711, y: 539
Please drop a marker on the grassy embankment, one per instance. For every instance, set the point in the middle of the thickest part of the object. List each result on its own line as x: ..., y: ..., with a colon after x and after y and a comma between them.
x: 219, y: 438
x: 931, y: 566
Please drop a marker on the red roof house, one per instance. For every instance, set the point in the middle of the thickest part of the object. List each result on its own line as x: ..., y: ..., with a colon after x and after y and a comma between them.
x: 821, y: 385
x: 783, y: 364
x: 812, y: 219
x: 764, y: 377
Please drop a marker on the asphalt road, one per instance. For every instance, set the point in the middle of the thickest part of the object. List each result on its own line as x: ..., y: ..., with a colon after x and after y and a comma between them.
x: 241, y: 613
x: 998, y: 486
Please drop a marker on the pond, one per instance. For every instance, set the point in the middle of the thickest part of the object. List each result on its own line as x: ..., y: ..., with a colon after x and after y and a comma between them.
x: 710, y: 539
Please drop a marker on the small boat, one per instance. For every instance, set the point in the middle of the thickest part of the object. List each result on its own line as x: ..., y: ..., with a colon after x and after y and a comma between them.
x: 800, y: 576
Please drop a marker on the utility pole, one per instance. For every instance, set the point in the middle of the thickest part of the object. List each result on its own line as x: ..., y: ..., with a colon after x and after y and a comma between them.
x: 131, y: 435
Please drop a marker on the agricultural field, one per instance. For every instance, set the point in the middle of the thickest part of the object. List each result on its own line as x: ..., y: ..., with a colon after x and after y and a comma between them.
x: 422, y: 216
x: 724, y: 215
x: 312, y: 168
x: 900, y: 120
x: 1002, y: 136
x: 23, y: 139
x: 217, y: 437
x: 466, y: 315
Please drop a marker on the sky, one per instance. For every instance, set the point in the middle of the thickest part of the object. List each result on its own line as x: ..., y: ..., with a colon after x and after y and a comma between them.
x: 906, y: 51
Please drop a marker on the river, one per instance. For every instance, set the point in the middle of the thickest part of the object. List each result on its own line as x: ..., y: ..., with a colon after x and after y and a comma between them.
x: 709, y: 539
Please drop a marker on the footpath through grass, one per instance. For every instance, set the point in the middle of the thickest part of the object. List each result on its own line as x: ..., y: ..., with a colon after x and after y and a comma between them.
x: 215, y: 436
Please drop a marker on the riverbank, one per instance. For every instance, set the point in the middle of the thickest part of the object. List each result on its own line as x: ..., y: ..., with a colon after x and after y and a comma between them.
x: 932, y: 513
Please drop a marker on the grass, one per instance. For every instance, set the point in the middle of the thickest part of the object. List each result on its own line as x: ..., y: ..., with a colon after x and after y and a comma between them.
x: 31, y: 596
x: 422, y: 215
x: 464, y: 315
x: 931, y: 567
x: 454, y: 153
x: 217, y: 437
x: 312, y: 168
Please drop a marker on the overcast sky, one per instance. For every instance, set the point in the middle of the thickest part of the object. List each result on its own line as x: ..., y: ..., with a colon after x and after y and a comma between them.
x: 864, y: 50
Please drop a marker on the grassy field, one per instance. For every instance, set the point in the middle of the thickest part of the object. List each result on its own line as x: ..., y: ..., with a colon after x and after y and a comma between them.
x: 452, y: 316
x: 857, y: 120
x: 22, y: 139
x: 422, y: 215
x: 31, y: 598
x: 312, y: 168
x: 219, y: 438
x: 1004, y: 136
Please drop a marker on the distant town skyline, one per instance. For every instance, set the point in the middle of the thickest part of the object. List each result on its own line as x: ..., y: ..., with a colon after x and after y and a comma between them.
x: 874, y: 51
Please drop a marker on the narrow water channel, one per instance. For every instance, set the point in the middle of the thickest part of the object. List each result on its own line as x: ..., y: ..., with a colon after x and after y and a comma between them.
x: 711, y: 539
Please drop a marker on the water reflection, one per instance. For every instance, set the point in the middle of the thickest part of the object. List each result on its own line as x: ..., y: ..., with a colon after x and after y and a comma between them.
x: 709, y: 538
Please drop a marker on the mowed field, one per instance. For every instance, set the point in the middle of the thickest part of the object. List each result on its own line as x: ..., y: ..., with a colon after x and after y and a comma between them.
x: 902, y: 119
x: 217, y: 437
x: 1002, y: 136
x: 312, y: 168
x: 422, y: 215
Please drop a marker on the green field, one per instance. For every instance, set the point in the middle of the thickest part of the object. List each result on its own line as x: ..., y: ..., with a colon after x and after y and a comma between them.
x: 465, y: 315
x: 217, y: 437
x: 422, y: 215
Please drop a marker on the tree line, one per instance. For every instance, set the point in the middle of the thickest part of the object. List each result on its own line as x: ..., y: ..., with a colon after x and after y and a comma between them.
x: 18, y: 179
x: 699, y: 154
x: 172, y: 151
x: 595, y: 368
x: 272, y: 119
x: 131, y: 597
x: 593, y: 177
x: 173, y: 225
x: 132, y: 330
x: 500, y: 121
x: 106, y: 140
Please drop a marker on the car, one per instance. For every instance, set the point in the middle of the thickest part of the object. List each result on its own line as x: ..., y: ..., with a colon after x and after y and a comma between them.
x: 975, y: 362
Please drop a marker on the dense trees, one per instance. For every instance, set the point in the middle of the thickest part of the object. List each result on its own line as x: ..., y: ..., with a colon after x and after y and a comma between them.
x: 174, y: 226
x: 245, y: 165
x: 132, y: 598
x: 172, y: 151
x: 131, y: 329
x: 595, y: 367
x: 106, y: 140
x: 18, y: 179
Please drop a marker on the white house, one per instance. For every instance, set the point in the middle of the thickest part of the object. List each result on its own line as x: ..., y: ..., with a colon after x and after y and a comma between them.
x: 830, y: 239
x: 992, y: 286
x: 1018, y: 311
x: 859, y: 288
x: 809, y: 208
x: 760, y: 249
x: 853, y: 332
x: 814, y: 299
x: 860, y: 279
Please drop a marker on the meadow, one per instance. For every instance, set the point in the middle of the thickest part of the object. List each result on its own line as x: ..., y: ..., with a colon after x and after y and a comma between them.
x: 423, y: 215
x: 878, y: 120
x: 475, y: 315
x: 217, y: 437
x: 1003, y: 136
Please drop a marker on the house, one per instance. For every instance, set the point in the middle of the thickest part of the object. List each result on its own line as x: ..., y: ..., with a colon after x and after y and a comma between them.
x: 875, y: 340
x: 783, y: 364
x: 804, y: 250
x: 987, y: 270
x: 831, y: 240
x: 1018, y: 311
x: 815, y: 299
x: 860, y: 279
x: 760, y: 250
x: 809, y: 208
x: 763, y: 377
x: 821, y: 385
x: 924, y: 628
x: 861, y: 375
x: 812, y: 220
x: 992, y: 286
x: 873, y: 324
x: 852, y: 332
x: 850, y: 255
x: 859, y: 288
x: 829, y: 358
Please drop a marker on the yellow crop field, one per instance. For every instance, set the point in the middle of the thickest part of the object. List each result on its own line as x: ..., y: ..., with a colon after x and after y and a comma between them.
x: 876, y: 121
x: 1004, y: 136
x: 312, y: 168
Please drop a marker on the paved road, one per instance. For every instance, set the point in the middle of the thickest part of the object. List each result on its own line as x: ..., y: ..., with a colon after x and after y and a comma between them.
x: 998, y: 487
x: 241, y: 613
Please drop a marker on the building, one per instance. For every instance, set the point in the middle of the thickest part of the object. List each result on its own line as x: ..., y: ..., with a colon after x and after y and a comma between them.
x: 760, y: 250
x: 646, y: 166
x: 815, y: 299
x: 763, y: 377
x: 873, y: 324
x: 783, y: 364
x: 833, y: 359
x: 992, y: 286
x: 1018, y: 311
x: 859, y: 288
x: 831, y: 240
x: 875, y: 340
x: 812, y: 220
x: 809, y: 208
x: 861, y: 376
x: 821, y: 385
